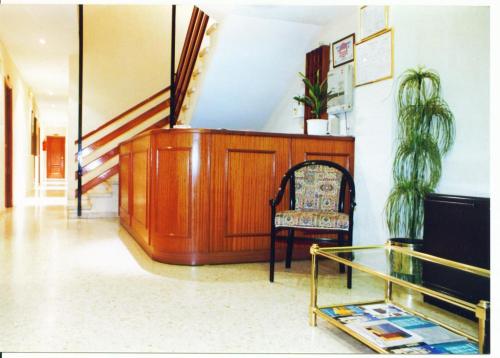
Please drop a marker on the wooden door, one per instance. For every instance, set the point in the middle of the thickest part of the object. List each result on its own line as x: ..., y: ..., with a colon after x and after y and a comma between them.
x: 8, y: 145
x: 316, y: 60
x: 55, y: 157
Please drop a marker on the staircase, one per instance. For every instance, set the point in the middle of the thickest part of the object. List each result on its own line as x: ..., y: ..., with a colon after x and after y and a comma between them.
x: 100, y: 147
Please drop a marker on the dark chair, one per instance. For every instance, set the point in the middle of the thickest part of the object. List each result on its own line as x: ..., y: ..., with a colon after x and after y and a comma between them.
x: 318, y: 193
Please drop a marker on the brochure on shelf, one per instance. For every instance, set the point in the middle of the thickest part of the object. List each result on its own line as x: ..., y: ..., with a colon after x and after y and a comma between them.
x: 416, y: 348
x: 340, y: 311
x: 398, y: 331
x: 464, y: 347
x: 383, y: 310
x: 384, y: 333
x: 431, y: 333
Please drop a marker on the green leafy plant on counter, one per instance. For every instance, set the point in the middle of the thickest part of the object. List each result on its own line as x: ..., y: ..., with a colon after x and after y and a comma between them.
x: 318, y: 95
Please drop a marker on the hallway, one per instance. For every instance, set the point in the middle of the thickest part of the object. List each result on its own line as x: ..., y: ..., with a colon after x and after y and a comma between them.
x: 85, y: 285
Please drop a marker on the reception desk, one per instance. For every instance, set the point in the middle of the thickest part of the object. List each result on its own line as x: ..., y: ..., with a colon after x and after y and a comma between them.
x: 201, y: 196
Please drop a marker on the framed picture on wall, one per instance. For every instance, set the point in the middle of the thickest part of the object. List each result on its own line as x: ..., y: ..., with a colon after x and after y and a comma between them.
x: 374, y: 59
x: 373, y: 20
x: 343, y: 51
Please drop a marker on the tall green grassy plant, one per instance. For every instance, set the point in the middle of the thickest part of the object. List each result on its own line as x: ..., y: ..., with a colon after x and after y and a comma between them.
x: 426, y: 132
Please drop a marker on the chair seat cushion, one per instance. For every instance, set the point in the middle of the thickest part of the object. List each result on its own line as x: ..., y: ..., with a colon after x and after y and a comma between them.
x: 311, y: 219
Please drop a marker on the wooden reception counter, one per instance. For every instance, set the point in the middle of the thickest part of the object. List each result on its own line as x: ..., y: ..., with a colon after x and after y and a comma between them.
x: 201, y: 196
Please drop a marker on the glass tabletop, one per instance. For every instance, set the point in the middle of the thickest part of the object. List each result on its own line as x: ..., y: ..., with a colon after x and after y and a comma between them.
x: 400, y: 263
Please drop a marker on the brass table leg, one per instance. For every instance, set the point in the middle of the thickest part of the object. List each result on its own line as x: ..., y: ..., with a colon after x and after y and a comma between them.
x: 314, y: 286
x: 482, y: 313
x: 388, y: 291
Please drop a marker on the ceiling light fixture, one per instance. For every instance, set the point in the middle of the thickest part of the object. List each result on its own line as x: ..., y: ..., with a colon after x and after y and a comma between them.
x: 42, y: 41
x: 51, y: 93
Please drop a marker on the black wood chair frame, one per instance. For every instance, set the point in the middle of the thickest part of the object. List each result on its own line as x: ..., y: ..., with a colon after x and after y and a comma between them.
x: 289, y: 177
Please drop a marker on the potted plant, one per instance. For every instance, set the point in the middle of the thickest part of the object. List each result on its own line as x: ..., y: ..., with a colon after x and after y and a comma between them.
x: 426, y: 132
x: 317, y: 98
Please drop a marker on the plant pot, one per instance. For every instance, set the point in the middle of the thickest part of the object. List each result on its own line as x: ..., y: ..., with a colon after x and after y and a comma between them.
x: 403, y: 266
x: 317, y: 126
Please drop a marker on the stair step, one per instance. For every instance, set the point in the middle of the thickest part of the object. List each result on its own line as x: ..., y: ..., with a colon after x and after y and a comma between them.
x: 100, y: 194
x: 72, y: 208
x: 212, y: 29
x: 204, y: 52
x: 196, y: 72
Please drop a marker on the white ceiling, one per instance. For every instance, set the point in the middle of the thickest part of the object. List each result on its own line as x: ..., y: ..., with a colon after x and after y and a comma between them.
x: 45, y: 67
x: 310, y: 14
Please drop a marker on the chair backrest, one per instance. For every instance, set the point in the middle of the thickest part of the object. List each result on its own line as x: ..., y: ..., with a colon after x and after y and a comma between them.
x: 319, y: 185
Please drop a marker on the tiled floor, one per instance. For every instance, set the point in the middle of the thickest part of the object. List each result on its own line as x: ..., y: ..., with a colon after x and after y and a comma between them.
x: 85, y: 286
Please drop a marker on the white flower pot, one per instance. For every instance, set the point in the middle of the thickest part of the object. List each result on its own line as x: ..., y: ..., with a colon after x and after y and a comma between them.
x: 317, y: 126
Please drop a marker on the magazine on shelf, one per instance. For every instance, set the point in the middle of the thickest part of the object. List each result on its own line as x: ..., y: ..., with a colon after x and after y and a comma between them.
x: 398, y: 331
x: 384, y: 310
x: 356, y: 319
x: 464, y: 347
x: 342, y: 311
x: 431, y: 333
x: 415, y: 348
x: 384, y: 333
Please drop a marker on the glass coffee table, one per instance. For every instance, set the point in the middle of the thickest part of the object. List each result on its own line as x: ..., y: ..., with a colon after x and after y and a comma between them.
x: 387, y: 326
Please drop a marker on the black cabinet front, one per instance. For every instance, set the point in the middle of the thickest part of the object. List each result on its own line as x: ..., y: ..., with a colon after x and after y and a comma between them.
x: 457, y: 228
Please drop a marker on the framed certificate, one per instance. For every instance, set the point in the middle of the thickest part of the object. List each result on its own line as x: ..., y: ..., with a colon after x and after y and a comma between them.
x: 372, y: 21
x: 374, y: 59
x: 343, y: 50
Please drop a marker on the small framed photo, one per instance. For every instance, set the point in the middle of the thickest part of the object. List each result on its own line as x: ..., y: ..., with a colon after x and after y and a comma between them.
x: 343, y: 51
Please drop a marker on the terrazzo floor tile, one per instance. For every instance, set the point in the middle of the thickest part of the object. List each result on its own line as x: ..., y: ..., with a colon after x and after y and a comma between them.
x: 86, y: 286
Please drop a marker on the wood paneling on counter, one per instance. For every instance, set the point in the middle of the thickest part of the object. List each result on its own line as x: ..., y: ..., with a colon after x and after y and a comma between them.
x: 180, y: 195
x: 195, y: 196
x: 245, y: 174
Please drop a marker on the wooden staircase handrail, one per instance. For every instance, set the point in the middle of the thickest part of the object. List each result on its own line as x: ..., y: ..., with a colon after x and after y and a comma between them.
x: 184, y: 75
x: 108, y: 173
x: 192, y: 43
x: 128, y: 111
x: 115, y: 151
x: 192, y: 21
x: 98, y: 161
x: 188, y: 48
x: 99, y: 179
x: 125, y: 127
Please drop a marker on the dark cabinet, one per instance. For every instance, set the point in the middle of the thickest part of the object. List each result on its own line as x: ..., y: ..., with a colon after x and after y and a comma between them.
x: 457, y: 228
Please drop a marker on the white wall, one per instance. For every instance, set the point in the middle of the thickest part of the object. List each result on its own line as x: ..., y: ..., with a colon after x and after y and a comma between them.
x: 2, y: 131
x: 126, y: 56
x: 452, y: 40
x: 461, y: 56
x: 72, y: 129
x: 126, y: 59
x: 23, y: 104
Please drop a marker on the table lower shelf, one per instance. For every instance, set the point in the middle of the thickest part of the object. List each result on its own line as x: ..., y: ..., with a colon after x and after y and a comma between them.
x: 387, y: 327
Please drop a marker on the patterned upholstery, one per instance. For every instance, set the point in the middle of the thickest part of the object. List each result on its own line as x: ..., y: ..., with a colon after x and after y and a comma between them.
x: 312, y: 219
x: 317, y: 187
x: 316, y: 190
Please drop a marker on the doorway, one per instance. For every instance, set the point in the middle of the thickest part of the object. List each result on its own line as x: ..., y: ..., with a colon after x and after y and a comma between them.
x: 8, y: 145
x: 55, y: 157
